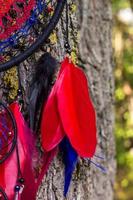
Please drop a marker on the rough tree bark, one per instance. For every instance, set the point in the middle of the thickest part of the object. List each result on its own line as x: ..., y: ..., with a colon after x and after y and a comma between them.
x: 93, y: 21
x: 95, y: 49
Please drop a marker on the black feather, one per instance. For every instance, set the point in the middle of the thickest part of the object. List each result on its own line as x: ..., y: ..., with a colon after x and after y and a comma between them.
x: 41, y: 85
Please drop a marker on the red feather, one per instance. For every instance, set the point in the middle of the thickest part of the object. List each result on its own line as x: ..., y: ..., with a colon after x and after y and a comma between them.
x: 2, y: 176
x: 69, y: 110
x: 25, y: 142
x: 27, y: 153
x: 52, y: 133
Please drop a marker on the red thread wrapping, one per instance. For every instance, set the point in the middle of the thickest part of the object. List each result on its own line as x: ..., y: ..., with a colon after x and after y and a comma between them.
x: 5, y: 6
x: 13, y: 14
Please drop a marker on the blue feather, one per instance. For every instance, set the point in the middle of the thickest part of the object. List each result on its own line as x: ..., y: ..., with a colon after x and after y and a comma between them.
x: 70, y: 158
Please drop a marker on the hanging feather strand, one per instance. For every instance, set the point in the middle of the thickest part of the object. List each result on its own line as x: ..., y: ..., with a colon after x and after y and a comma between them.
x: 70, y: 158
x: 41, y: 85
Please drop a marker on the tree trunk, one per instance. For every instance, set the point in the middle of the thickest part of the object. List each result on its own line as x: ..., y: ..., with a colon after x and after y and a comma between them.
x: 93, y: 21
x: 95, y: 49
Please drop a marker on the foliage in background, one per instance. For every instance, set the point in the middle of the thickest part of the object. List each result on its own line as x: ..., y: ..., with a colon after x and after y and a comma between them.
x: 123, y: 49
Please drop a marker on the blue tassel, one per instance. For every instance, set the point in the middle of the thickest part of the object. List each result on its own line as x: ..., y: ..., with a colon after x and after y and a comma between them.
x: 70, y: 158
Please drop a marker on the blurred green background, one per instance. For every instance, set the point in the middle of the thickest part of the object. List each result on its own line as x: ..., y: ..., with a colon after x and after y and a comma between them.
x: 123, y: 54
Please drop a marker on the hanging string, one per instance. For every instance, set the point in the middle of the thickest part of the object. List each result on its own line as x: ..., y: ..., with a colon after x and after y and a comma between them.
x: 67, y: 24
x: 20, y: 88
x: 20, y: 181
x: 3, y: 194
x: 65, y: 29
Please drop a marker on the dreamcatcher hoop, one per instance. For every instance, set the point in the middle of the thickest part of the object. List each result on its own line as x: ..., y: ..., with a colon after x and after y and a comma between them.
x: 14, y: 140
x: 40, y: 40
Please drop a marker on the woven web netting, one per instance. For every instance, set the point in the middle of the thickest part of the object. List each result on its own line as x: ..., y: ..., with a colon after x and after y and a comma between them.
x: 21, y: 22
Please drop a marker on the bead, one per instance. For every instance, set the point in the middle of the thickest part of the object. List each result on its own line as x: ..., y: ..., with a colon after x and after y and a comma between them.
x: 68, y: 51
x: 19, y: 91
x: 66, y: 45
x: 21, y: 180
x: 17, y: 188
x: 10, y: 133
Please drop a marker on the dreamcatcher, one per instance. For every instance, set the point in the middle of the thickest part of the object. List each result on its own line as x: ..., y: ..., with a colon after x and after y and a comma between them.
x: 24, y: 26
